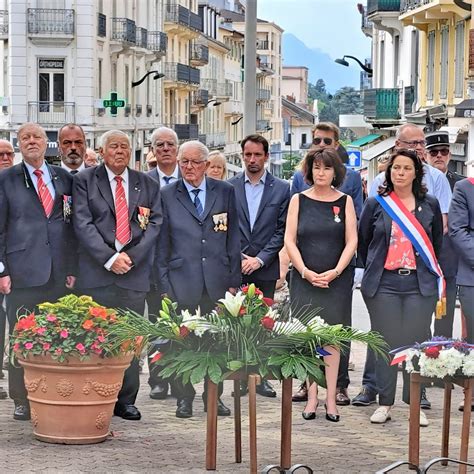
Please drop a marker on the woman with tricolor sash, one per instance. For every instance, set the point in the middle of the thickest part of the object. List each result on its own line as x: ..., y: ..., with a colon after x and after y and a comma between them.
x: 400, y: 237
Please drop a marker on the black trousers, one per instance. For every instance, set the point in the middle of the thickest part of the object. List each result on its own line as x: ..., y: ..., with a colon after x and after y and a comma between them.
x: 466, y: 296
x: 113, y: 296
x: 3, y: 325
x: 20, y: 301
x: 444, y: 326
x: 402, y: 316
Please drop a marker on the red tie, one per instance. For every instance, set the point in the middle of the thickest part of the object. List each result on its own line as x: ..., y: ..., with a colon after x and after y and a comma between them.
x: 44, y: 194
x: 122, y: 226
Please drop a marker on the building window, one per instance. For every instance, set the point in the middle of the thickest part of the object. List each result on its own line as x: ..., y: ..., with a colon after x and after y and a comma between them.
x: 443, y: 83
x: 430, y: 66
x: 99, y: 79
x: 114, y: 77
x: 459, y: 60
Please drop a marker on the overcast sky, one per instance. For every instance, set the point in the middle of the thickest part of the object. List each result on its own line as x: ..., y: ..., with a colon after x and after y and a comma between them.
x: 330, y: 25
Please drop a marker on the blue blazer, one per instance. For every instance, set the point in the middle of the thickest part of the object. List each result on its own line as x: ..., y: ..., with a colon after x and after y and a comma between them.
x: 352, y: 185
x: 193, y: 255
x: 94, y: 224
x: 266, y: 238
x: 375, y: 227
x: 461, y: 230
x: 34, y: 247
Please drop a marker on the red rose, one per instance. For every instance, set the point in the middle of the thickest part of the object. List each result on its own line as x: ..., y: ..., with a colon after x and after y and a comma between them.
x: 268, y: 301
x: 183, y: 331
x: 245, y: 289
x: 267, y: 322
x: 258, y: 292
x: 242, y: 311
x: 432, y: 352
x: 88, y: 324
x: 98, y: 312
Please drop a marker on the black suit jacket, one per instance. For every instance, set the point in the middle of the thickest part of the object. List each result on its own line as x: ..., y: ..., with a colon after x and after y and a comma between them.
x: 193, y: 256
x: 375, y: 228
x: 94, y: 224
x: 265, y: 240
x: 34, y: 247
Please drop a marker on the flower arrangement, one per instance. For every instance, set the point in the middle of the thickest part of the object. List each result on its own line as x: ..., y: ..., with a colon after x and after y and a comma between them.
x: 72, y: 326
x: 244, y: 333
x: 441, y: 357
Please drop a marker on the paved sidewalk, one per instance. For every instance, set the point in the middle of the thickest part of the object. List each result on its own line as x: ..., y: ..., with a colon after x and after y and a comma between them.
x: 160, y: 443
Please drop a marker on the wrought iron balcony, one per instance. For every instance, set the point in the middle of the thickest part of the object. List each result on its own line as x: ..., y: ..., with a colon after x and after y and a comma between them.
x: 384, y: 104
x: 3, y: 23
x: 210, y: 85
x: 141, y: 38
x: 224, y: 89
x: 101, y: 25
x: 178, y: 72
x: 376, y: 6
x: 198, y: 54
x: 51, y: 113
x: 215, y: 140
x: 186, y: 131
x: 406, y: 5
x: 262, y: 124
x: 262, y: 44
x: 50, y: 21
x: 124, y: 30
x: 201, y: 97
x: 366, y: 25
x: 263, y: 95
x: 180, y: 15
x: 157, y: 42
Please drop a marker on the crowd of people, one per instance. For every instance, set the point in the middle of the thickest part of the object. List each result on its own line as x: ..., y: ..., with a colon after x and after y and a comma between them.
x: 182, y: 230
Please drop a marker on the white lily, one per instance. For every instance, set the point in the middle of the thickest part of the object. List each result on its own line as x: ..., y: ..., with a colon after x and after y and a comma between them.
x: 233, y: 303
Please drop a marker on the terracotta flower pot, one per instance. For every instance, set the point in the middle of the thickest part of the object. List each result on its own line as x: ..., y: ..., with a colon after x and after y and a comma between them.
x: 73, y: 402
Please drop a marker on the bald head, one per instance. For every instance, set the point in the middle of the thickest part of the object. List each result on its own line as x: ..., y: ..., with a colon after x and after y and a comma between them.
x: 6, y: 154
x: 412, y: 137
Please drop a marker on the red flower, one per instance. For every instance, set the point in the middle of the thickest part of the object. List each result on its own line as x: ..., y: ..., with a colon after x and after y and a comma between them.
x: 156, y: 357
x: 242, y: 311
x: 268, y: 301
x: 41, y: 330
x: 258, y: 292
x: 245, y: 289
x: 183, y: 331
x: 267, y: 322
x: 432, y: 352
x: 80, y: 347
x: 98, y: 312
x: 51, y: 318
x: 46, y: 346
x: 64, y: 333
x: 88, y: 324
x: 26, y: 322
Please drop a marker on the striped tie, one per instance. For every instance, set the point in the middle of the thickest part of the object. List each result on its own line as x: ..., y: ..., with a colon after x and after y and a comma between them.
x: 122, y: 226
x: 44, y: 194
x: 197, y: 202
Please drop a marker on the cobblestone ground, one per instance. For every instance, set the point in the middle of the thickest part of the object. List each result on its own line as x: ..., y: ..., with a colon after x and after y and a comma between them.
x: 160, y: 443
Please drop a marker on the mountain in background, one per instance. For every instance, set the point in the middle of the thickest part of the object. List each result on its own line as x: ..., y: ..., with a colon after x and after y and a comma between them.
x: 319, y: 64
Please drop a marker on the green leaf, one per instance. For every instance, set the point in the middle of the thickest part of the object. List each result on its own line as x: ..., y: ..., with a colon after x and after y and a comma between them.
x: 235, y: 365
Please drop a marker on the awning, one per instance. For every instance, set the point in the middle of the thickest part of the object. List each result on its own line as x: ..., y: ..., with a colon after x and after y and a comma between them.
x: 378, y: 149
x: 363, y: 141
x: 465, y: 109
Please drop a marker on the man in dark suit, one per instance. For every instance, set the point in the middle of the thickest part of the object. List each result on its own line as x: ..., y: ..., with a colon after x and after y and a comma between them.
x: 262, y: 202
x: 438, y: 156
x: 72, y: 148
x: 36, y: 238
x: 198, y: 260
x: 117, y: 221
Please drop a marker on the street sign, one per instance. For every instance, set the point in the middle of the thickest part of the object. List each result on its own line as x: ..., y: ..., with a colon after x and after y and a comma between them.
x: 355, y: 158
x: 113, y: 103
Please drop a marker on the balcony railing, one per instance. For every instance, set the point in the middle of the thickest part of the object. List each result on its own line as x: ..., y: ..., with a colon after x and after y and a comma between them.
x: 175, y: 13
x: 50, y: 21
x: 210, y: 85
x: 186, y: 131
x: 214, y: 140
x: 263, y: 124
x: 141, y: 37
x: 201, y: 97
x: 101, y: 25
x: 178, y: 72
x: 51, y: 113
x: 409, y: 99
x: 224, y: 89
x: 374, y: 6
x: 198, y: 54
x: 3, y: 23
x: 366, y: 25
x: 262, y: 44
x: 263, y: 94
x: 157, y: 42
x: 384, y: 104
x: 471, y: 51
x: 124, y: 30
x: 406, y: 5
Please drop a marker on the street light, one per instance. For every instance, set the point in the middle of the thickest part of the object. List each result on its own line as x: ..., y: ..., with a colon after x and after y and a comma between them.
x: 237, y: 121
x: 215, y: 104
x: 343, y: 62
x: 157, y: 75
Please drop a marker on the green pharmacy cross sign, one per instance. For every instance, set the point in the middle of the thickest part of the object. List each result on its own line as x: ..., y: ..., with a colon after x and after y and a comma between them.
x: 113, y: 103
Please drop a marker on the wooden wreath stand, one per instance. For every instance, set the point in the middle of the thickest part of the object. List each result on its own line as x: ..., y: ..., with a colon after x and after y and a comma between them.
x: 211, y: 432
x: 414, y: 426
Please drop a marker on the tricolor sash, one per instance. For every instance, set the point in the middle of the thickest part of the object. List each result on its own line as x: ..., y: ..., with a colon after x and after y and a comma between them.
x: 418, y: 237
x: 471, y: 180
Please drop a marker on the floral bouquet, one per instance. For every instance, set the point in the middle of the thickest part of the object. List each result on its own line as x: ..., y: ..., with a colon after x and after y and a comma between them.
x: 242, y: 333
x: 440, y: 357
x: 72, y: 326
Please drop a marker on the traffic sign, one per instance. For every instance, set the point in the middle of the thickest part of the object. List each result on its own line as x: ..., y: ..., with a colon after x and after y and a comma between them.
x: 113, y: 103
x: 355, y: 158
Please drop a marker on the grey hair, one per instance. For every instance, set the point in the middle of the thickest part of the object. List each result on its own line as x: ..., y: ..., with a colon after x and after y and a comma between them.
x: 203, y: 150
x: 107, y: 136
x: 159, y: 130
x: 32, y: 124
x: 406, y: 126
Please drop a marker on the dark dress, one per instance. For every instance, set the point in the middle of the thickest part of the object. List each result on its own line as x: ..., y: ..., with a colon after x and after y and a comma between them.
x: 321, y: 241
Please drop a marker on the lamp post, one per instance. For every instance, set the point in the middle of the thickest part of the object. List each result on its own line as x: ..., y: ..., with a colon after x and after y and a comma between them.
x: 343, y: 62
x: 235, y: 122
x: 216, y: 102
x: 157, y: 75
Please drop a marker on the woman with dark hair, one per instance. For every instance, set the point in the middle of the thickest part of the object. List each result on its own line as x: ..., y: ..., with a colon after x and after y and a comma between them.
x: 321, y: 239
x: 400, y: 237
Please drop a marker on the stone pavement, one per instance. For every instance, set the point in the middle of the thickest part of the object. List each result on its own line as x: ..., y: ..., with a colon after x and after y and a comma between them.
x: 160, y: 443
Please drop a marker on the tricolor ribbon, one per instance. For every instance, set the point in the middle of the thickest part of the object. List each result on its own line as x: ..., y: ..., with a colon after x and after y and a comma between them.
x: 418, y: 237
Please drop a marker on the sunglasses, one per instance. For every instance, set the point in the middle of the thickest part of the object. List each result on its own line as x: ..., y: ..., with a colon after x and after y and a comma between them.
x: 318, y: 140
x: 442, y: 151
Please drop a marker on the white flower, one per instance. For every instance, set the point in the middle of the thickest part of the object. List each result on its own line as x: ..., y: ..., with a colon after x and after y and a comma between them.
x: 317, y: 322
x: 447, y: 363
x: 468, y: 364
x: 194, y: 322
x: 233, y: 303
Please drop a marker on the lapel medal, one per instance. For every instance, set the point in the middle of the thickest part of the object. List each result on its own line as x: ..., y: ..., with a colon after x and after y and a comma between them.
x: 220, y: 222
x: 143, y: 217
x: 336, y: 210
x: 67, y: 208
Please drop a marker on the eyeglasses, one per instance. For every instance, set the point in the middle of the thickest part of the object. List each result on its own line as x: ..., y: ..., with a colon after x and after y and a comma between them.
x: 318, y: 140
x: 413, y: 143
x: 7, y: 153
x: 162, y: 144
x: 193, y: 163
x: 442, y: 151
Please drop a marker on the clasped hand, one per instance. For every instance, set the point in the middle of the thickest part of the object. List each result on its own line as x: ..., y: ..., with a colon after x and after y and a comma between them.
x: 123, y: 264
x: 320, y: 280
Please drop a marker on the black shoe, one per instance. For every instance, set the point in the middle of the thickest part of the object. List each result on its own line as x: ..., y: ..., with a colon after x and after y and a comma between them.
x: 424, y: 402
x: 365, y: 397
x: 342, y: 398
x: 310, y: 415
x: 266, y: 390
x: 222, y: 410
x: 3, y: 393
x: 243, y: 389
x: 332, y: 417
x: 185, y: 408
x: 22, y: 411
x: 159, y: 391
x: 127, y: 412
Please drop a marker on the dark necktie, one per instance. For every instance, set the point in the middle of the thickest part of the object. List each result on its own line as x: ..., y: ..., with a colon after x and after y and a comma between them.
x: 197, y: 202
x: 73, y: 172
x: 167, y: 179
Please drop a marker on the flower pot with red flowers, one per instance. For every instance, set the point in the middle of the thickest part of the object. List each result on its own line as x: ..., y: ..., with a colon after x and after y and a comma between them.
x: 73, y: 370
